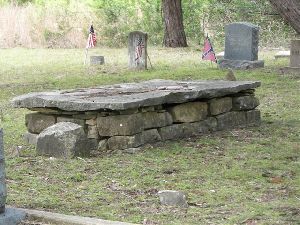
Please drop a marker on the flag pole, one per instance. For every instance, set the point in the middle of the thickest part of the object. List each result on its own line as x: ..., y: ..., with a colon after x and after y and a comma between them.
x: 86, y: 54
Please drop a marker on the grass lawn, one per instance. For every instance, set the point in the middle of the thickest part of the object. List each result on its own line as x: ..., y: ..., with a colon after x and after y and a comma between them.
x: 243, y: 176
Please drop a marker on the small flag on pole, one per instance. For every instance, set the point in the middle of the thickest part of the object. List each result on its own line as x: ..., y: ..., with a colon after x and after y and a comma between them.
x: 139, y: 49
x: 92, y: 38
x: 208, y: 51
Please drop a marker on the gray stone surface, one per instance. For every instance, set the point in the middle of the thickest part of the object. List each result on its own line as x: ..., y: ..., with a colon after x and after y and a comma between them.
x: 231, y: 120
x: 240, y: 64
x: 137, y: 38
x: 253, y: 117
x: 241, y: 41
x: 12, y: 216
x: 37, y: 122
x: 80, y: 122
x: 3, y: 190
x: 245, y: 102
x: 30, y: 138
x: 295, y: 53
x: 172, y: 198
x: 63, y: 140
x: 189, y: 112
x: 125, y: 142
x: 96, y: 60
x: 102, y: 145
x: 131, y: 95
x: 220, y: 105
x: 120, y: 125
x: 154, y: 119
x: 182, y: 130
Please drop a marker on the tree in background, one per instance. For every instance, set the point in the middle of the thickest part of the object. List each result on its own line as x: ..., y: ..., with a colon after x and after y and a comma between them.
x: 290, y: 11
x: 173, y: 20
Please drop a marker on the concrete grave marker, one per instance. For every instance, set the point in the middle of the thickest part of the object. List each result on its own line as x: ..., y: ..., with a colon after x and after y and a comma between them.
x: 137, y: 50
x: 96, y: 60
x: 294, y: 68
x: 295, y: 53
x: 241, y: 46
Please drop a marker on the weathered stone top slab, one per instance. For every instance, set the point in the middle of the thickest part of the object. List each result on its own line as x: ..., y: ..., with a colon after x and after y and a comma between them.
x: 131, y: 95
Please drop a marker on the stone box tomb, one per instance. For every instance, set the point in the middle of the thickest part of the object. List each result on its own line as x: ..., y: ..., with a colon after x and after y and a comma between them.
x: 124, y: 116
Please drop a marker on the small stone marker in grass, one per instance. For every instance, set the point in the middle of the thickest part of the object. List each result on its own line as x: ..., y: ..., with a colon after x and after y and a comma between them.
x: 241, y: 47
x: 173, y: 198
x: 137, y: 50
x: 96, y: 60
x: 282, y: 54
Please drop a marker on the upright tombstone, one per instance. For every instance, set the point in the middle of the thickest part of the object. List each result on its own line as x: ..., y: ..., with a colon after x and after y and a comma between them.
x: 9, y: 216
x: 241, y: 46
x: 295, y: 53
x: 137, y: 50
x: 294, y: 68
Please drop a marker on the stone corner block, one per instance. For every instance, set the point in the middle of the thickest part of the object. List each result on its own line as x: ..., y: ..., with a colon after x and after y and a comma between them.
x: 245, y: 102
x: 37, y: 122
x: 63, y: 140
x: 231, y: 120
x: 253, y: 117
x: 172, y: 198
x: 189, y: 112
x: 220, y: 105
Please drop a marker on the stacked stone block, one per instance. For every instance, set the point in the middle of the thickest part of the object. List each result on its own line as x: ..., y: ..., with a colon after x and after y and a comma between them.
x: 132, y: 128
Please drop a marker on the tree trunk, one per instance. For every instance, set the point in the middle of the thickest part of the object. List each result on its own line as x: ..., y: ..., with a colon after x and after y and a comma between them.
x: 290, y: 11
x: 173, y: 20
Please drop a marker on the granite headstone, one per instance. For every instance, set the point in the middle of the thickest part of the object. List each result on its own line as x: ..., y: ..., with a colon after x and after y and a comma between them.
x: 137, y: 50
x: 241, y: 46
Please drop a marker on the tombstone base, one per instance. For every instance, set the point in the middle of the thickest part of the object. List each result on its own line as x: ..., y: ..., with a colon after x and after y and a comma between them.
x: 240, y: 64
x: 12, y: 216
x: 290, y: 71
x: 97, y: 60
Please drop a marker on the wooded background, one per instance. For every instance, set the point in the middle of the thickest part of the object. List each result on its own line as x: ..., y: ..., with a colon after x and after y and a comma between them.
x: 65, y: 23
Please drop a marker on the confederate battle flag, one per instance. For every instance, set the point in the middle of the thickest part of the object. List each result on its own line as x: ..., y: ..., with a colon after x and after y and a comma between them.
x: 208, y: 51
x: 91, y: 42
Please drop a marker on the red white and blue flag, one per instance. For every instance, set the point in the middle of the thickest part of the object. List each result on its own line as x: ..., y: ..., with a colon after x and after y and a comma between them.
x: 139, y: 49
x: 208, y: 51
x: 91, y: 43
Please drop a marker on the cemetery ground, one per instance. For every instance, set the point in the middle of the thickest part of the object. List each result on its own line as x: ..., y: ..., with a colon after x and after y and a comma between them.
x: 241, y: 176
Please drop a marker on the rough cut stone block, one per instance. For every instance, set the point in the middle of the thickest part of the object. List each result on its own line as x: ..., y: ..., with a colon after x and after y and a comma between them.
x: 220, y: 105
x: 231, y: 120
x: 120, y: 125
x: 129, y: 111
x: 154, y: 119
x: 91, y: 122
x: 245, y: 102
x: 37, y: 122
x: 92, y: 132
x: 71, y: 120
x: 172, y: 198
x: 125, y: 142
x: 85, y: 116
x: 253, y: 117
x: 189, y: 112
x: 175, y: 131
x: 63, y: 140
x: 30, y: 138
x: 102, y: 145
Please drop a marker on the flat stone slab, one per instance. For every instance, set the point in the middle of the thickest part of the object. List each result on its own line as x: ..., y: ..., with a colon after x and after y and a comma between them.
x: 57, y: 218
x: 240, y: 64
x: 131, y: 95
x: 294, y: 71
x: 282, y: 54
